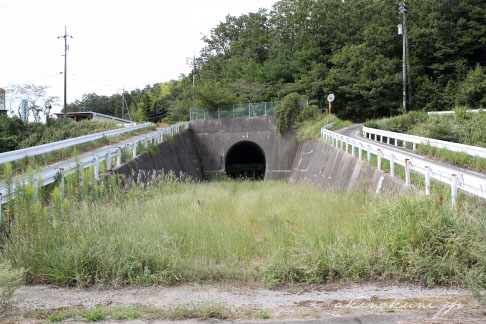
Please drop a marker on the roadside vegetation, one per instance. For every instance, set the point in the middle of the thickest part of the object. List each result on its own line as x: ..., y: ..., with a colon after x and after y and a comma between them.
x: 269, y: 233
x: 202, y: 311
x: 42, y: 160
x: 309, y: 129
x: 461, y: 127
x: 460, y: 159
x: 308, y: 120
x: 16, y: 134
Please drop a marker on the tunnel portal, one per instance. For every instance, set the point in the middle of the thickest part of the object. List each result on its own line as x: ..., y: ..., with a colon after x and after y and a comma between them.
x: 245, y: 160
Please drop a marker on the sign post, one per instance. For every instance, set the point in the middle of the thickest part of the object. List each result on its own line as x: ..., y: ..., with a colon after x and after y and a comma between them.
x: 330, y: 99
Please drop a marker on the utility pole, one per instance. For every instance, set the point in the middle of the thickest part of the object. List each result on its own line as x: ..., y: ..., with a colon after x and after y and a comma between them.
x: 194, y: 81
x: 66, y: 48
x: 192, y: 61
x: 124, y: 104
x: 402, y: 9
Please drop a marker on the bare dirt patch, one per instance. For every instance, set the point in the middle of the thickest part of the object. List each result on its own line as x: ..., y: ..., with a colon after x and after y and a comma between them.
x: 329, y: 303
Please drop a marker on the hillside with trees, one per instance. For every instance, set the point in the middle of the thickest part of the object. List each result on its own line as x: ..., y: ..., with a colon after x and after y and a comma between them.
x: 315, y: 47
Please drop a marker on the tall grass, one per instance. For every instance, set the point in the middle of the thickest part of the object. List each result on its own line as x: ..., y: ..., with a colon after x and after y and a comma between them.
x: 265, y: 232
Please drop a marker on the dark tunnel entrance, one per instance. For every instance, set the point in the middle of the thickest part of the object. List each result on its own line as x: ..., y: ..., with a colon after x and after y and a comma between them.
x: 245, y: 160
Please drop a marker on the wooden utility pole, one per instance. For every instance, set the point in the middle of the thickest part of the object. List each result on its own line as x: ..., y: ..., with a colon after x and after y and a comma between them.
x: 402, y: 9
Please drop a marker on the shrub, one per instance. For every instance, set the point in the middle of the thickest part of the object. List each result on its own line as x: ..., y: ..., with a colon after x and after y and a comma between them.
x: 287, y: 112
x: 308, y: 113
x: 7, y: 144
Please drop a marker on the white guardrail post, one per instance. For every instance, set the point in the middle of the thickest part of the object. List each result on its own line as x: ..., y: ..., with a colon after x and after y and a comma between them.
x: 467, y: 181
x: 96, y: 167
x: 407, y: 172
x: 454, y: 190
x: 427, y: 180
x: 61, y: 181
x: 379, y: 159
x: 118, y: 156
x: 108, y: 161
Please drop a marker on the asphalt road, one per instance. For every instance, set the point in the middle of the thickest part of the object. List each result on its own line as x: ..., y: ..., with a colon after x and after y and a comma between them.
x: 353, y: 131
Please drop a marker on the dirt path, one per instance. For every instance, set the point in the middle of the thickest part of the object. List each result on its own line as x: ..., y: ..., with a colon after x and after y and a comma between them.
x: 353, y: 303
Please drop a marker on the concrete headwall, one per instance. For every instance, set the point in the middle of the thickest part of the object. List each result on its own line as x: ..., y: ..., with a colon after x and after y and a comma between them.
x: 214, y: 138
x: 329, y: 168
x: 178, y: 155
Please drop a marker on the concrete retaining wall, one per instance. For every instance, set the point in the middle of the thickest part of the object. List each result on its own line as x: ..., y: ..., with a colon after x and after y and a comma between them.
x: 329, y: 168
x: 201, y: 150
x: 178, y: 155
x: 214, y: 138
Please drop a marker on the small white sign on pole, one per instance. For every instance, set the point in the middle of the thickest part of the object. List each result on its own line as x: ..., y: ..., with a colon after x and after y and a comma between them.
x: 330, y: 98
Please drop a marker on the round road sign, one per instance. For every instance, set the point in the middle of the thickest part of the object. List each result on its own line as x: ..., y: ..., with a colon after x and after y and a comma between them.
x: 330, y: 98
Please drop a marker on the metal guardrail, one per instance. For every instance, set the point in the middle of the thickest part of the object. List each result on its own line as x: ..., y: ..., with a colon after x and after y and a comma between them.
x: 50, y: 147
x: 406, y: 138
x: 468, y: 182
x: 450, y: 112
x: 51, y: 174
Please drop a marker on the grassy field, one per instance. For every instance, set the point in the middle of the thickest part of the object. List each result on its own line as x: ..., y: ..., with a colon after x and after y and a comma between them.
x: 266, y: 233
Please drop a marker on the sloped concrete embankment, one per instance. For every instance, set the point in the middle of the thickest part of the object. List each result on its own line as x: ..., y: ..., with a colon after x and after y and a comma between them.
x: 179, y: 155
x: 323, y: 165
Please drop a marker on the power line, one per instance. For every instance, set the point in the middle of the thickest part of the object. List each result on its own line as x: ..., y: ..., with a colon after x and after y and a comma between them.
x: 95, y: 81
x: 37, y: 79
x: 107, y: 82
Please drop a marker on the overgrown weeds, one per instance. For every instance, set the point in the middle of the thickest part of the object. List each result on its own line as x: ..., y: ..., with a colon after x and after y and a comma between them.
x: 168, y: 232
x: 202, y: 311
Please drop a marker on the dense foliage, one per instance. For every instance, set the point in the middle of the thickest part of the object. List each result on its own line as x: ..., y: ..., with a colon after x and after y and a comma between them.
x: 287, y: 112
x: 350, y: 48
x: 17, y: 134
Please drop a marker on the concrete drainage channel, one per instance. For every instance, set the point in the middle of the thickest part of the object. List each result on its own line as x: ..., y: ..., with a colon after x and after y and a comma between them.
x: 252, y: 148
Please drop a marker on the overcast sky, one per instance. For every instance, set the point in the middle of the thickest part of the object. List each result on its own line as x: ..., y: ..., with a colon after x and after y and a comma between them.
x: 116, y: 42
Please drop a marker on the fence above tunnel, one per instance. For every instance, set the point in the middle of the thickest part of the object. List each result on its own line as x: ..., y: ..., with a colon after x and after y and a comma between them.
x: 260, y: 109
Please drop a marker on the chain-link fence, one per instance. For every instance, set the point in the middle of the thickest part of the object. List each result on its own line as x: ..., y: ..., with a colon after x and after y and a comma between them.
x: 259, y: 109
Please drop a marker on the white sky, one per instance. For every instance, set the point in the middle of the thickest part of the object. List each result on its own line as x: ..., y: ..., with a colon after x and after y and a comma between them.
x: 116, y: 42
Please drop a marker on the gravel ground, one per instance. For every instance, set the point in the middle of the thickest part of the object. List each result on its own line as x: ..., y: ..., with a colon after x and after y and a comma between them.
x: 358, y: 303
x: 35, y: 297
